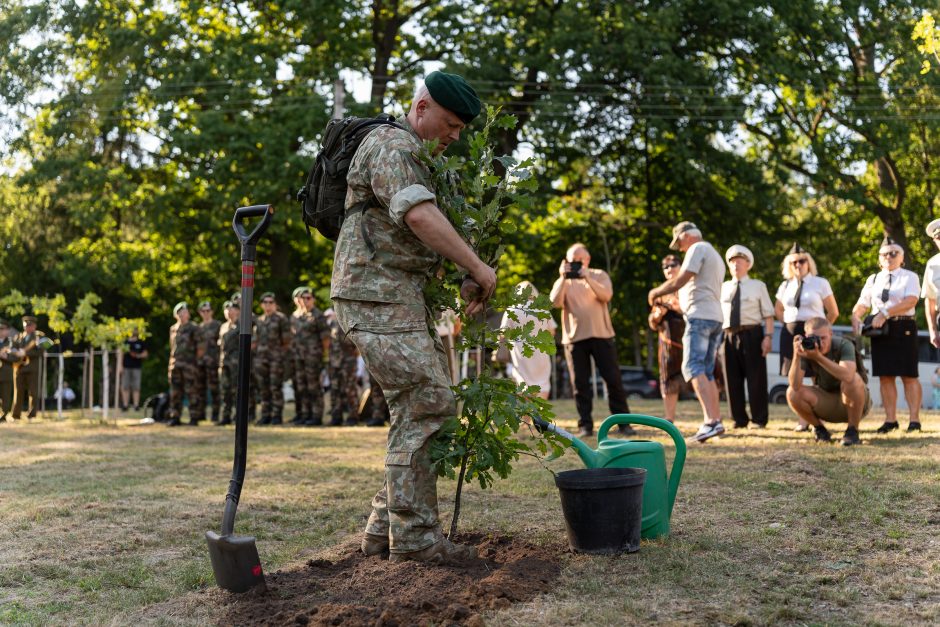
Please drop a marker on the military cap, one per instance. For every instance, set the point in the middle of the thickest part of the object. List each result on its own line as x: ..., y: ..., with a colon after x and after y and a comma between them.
x: 236, y: 296
x: 739, y: 251
x: 29, y: 320
x: 454, y: 93
x: 205, y: 305
x: 933, y: 229
x: 888, y: 243
x: 297, y: 292
x: 180, y: 305
x: 227, y: 304
x: 678, y: 230
x: 268, y: 295
x: 796, y: 249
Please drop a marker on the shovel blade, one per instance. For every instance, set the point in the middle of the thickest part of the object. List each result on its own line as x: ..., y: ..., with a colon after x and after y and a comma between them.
x: 235, y: 562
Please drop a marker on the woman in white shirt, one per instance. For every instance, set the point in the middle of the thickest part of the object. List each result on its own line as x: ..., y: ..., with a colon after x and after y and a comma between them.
x: 537, y: 369
x: 892, y: 295
x: 801, y: 296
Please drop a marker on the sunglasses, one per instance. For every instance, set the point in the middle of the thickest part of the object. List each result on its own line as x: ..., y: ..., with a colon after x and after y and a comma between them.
x: 666, y: 266
x: 890, y: 253
x: 798, y: 262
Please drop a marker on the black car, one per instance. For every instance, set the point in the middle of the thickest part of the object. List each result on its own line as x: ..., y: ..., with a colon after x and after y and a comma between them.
x: 637, y: 383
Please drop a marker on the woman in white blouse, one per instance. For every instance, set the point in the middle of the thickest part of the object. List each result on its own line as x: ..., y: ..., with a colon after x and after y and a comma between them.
x: 892, y: 295
x: 801, y: 296
x: 537, y: 369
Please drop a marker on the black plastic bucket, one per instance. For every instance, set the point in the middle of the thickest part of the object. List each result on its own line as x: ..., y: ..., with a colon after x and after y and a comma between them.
x: 603, y: 508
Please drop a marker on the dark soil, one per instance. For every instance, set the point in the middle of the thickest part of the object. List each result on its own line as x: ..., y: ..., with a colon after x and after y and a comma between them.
x: 352, y: 589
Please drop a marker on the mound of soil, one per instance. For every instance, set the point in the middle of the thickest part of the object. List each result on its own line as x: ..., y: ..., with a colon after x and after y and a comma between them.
x: 352, y: 589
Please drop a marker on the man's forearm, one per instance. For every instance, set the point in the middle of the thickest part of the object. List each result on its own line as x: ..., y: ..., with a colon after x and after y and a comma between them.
x: 430, y: 226
x: 557, y: 295
x: 603, y: 293
x: 795, y: 375
x: 932, y: 314
x: 673, y: 285
x: 838, y: 371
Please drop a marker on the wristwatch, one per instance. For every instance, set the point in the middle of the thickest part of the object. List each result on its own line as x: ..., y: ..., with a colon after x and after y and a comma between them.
x: 884, y: 312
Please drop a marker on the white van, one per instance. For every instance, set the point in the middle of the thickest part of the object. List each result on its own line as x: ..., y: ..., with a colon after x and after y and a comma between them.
x: 928, y: 360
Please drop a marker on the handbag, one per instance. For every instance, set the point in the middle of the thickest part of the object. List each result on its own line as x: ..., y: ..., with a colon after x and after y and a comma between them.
x: 870, y: 331
x: 502, y: 355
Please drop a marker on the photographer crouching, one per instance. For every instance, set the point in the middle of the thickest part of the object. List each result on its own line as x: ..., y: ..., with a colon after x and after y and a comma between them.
x: 838, y: 393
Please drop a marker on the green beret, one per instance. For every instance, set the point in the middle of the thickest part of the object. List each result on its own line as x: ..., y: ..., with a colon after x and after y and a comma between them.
x: 227, y: 304
x: 299, y: 291
x: 180, y: 305
x: 453, y: 92
x: 205, y: 305
x: 268, y: 295
x: 237, y: 296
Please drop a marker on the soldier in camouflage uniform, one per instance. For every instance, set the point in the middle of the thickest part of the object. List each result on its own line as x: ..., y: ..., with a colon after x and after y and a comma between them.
x: 379, y: 415
x: 344, y: 388
x: 378, y: 296
x: 207, y: 369
x: 272, y: 350
x: 311, y: 343
x: 290, y: 371
x: 228, y: 362
x: 185, y: 351
x: 8, y: 359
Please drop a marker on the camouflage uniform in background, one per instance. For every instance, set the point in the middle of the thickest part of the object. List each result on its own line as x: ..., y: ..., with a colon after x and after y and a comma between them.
x: 311, y: 329
x: 228, y: 374
x: 344, y: 389
x: 290, y: 371
x: 184, y: 354
x: 271, y: 352
x: 379, y: 414
x: 378, y: 298
x: 207, y: 367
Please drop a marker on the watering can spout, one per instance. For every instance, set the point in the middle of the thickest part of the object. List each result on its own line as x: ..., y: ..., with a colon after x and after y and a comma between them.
x: 588, y: 455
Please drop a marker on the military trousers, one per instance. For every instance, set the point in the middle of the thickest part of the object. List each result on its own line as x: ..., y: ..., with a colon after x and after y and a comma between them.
x: 182, y: 378
x: 27, y: 389
x: 6, y: 393
x: 307, y: 389
x: 269, y: 375
x: 207, y: 380
x: 344, y: 390
x: 410, y: 364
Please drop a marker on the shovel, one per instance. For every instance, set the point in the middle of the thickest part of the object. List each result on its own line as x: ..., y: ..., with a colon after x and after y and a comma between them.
x: 235, y: 559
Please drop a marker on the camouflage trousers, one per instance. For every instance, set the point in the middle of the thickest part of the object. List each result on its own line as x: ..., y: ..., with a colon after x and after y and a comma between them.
x: 411, y: 367
x: 207, y: 380
x: 228, y: 392
x: 183, y: 383
x: 269, y: 375
x: 307, y: 389
x: 344, y: 390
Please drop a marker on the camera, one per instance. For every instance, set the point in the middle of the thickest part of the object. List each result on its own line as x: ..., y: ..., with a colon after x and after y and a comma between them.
x: 575, y: 271
x: 811, y: 343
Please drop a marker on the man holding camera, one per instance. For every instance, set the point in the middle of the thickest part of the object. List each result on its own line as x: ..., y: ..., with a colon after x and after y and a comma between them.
x: 838, y: 393
x: 582, y: 293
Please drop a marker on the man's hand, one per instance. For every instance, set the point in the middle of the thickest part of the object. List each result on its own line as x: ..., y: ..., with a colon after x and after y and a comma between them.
x: 564, y: 268
x: 485, y: 277
x: 473, y: 293
x: 812, y: 355
x: 765, y: 346
x: 935, y: 338
x: 879, y: 321
x: 856, y: 326
x: 652, y: 296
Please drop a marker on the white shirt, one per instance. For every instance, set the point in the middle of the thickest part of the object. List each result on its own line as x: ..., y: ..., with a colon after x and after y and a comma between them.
x: 699, y: 298
x: 931, y: 278
x: 755, y: 301
x: 903, y: 283
x: 815, y: 290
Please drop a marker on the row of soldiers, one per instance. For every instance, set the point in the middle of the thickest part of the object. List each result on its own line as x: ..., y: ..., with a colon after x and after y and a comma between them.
x: 20, y: 367
x: 204, y: 360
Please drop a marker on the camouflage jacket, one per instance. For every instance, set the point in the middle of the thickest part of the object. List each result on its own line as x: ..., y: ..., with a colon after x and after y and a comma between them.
x: 228, y: 344
x: 209, y: 334
x: 184, y: 344
x: 309, y: 332
x: 273, y: 336
x: 386, y: 168
x: 30, y: 342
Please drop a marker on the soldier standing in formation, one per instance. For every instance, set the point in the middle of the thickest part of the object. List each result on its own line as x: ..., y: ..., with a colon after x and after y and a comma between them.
x: 7, y: 361
x: 273, y: 343
x: 185, y: 352
x: 344, y: 390
x: 311, y: 343
x: 228, y: 360
x: 290, y: 371
x: 207, y: 370
x: 378, y: 294
x: 29, y: 350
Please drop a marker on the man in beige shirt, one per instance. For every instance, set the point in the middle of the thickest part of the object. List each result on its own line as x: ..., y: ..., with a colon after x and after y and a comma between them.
x: 582, y: 293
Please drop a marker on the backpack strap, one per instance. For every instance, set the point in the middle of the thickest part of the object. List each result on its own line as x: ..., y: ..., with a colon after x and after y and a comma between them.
x: 361, y: 207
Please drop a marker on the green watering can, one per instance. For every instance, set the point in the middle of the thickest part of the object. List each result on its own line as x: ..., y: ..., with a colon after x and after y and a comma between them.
x: 659, y: 493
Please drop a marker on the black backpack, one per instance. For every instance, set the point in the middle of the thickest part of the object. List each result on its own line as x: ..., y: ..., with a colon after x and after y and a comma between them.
x: 323, y: 196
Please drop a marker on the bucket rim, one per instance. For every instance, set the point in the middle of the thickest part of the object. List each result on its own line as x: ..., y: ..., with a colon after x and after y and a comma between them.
x: 600, y: 478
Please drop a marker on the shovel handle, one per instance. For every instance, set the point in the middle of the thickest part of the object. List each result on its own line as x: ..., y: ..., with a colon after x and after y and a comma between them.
x: 265, y: 212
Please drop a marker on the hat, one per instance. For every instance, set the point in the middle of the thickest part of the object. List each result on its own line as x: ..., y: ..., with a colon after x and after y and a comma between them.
x: 227, y: 304
x: 29, y: 320
x: 796, y: 249
x: 888, y: 242
x: 268, y: 295
x: 933, y: 229
x: 739, y: 251
x: 303, y: 289
x: 454, y: 93
x: 678, y: 230
x: 180, y: 305
x: 205, y: 305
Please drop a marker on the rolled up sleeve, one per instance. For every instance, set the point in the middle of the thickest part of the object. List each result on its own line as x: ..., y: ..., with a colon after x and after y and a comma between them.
x: 404, y: 200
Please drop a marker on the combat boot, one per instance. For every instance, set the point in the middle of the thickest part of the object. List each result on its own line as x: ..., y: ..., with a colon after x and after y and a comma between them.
x: 441, y: 552
x: 313, y: 421
x: 276, y: 419
x: 352, y: 422
x: 215, y: 414
x: 298, y: 419
x: 264, y: 420
x: 225, y: 421
x: 174, y: 422
x: 375, y: 422
x: 374, y: 545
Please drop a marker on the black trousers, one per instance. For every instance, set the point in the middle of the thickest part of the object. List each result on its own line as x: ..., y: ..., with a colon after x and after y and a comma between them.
x: 744, y: 363
x: 578, y: 356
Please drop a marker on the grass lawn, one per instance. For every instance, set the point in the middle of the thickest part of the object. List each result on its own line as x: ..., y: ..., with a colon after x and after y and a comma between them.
x: 104, y: 523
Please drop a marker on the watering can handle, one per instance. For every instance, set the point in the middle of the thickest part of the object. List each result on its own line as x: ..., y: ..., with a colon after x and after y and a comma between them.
x: 651, y: 421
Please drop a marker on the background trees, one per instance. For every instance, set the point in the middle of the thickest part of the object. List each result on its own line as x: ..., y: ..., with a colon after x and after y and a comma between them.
x: 131, y: 129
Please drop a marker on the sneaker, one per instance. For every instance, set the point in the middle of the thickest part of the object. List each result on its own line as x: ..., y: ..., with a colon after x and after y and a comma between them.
x: 739, y: 425
x: 441, y: 552
x: 374, y: 545
x: 914, y: 426
x: 585, y: 432
x: 886, y: 427
x: 758, y: 425
x: 851, y: 437
x: 626, y: 430
x: 822, y: 434
x: 708, y: 431
x: 801, y: 428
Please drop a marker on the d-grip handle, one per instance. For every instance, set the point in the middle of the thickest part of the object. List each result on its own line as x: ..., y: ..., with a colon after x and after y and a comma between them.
x: 243, y: 213
x: 678, y: 461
